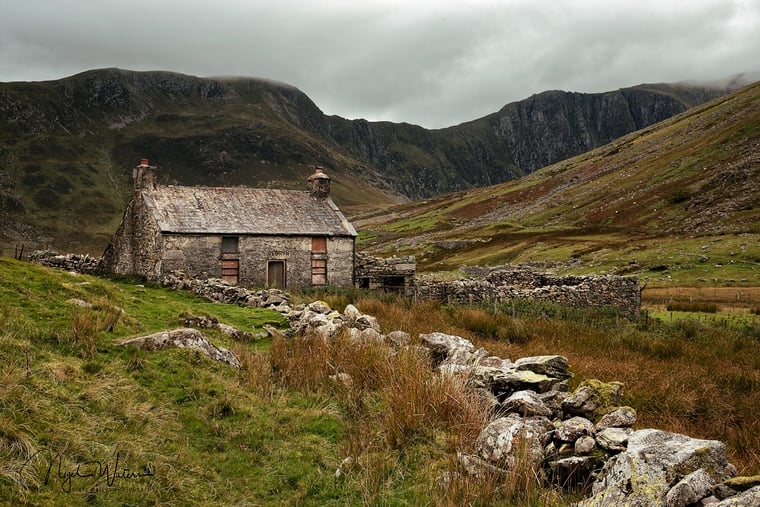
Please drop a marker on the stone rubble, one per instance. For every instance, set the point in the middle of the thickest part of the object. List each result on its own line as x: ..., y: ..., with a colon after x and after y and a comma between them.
x: 215, y: 289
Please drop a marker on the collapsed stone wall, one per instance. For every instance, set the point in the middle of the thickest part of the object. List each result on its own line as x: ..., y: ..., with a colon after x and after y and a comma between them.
x: 217, y: 290
x: 507, y: 283
x: 68, y: 262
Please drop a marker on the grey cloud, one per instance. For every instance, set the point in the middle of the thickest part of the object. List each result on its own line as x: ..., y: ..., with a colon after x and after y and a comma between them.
x: 428, y: 62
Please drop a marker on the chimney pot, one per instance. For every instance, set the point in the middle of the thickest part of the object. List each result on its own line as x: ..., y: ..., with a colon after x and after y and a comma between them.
x: 318, y: 184
x: 144, y: 161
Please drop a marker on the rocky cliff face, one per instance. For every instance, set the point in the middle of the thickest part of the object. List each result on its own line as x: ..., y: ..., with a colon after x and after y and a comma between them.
x: 555, y: 125
x: 522, y: 137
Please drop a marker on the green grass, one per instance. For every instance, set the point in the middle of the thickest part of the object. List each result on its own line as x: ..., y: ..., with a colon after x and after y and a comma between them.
x: 208, y: 437
x: 724, y: 319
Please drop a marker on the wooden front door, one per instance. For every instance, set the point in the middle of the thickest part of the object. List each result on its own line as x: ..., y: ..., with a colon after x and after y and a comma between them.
x: 276, y: 274
x: 231, y: 271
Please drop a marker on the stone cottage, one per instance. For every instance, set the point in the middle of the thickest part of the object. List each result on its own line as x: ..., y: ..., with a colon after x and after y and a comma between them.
x: 247, y: 236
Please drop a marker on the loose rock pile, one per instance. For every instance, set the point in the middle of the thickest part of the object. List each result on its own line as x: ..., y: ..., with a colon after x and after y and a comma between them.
x: 68, y: 262
x: 215, y: 289
x: 320, y: 319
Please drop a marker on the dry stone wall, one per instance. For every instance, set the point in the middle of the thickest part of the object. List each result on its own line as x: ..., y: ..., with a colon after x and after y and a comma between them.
x: 397, y: 274
x: 508, y: 283
x: 69, y: 262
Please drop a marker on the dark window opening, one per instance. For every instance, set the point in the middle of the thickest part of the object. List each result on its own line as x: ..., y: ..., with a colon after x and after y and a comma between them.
x: 393, y: 282
x: 230, y: 244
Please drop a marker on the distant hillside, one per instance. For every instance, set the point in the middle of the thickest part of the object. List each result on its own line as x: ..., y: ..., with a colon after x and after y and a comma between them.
x: 678, y: 201
x: 67, y: 147
x: 522, y: 137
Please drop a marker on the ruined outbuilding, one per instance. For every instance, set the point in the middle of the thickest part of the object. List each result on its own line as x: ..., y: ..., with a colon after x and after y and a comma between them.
x: 246, y: 236
x: 395, y: 274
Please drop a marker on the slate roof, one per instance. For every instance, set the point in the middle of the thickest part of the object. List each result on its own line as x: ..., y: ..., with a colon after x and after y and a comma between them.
x: 244, y: 210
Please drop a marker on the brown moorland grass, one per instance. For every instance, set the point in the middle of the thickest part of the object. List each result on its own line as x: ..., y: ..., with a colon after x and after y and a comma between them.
x: 688, y: 377
x: 403, y: 418
x: 730, y: 297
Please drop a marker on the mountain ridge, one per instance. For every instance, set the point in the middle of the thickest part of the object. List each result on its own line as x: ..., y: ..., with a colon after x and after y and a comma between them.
x: 68, y: 146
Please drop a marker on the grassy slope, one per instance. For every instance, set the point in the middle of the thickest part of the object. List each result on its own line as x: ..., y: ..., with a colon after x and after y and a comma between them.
x: 681, y: 197
x: 209, y: 438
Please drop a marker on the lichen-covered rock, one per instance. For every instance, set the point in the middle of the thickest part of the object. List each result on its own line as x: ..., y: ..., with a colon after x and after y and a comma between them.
x: 655, y: 462
x: 743, y: 483
x: 584, y: 445
x: 593, y: 398
x: 183, y: 338
x: 613, y: 439
x: 623, y: 417
x: 504, y: 382
x: 351, y: 313
x: 496, y: 362
x: 572, y: 429
x: 398, y: 339
x: 371, y: 335
x: 477, y: 466
x: 526, y: 403
x: 367, y: 322
x: 512, y: 438
x: 690, y: 489
x: 461, y: 360
x: 749, y: 498
x: 319, y: 307
x: 441, y: 345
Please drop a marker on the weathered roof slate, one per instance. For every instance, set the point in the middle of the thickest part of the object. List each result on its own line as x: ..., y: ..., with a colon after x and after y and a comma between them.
x: 244, y: 210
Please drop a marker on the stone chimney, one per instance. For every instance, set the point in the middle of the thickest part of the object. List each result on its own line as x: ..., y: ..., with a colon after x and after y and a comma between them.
x: 318, y: 184
x: 144, y: 176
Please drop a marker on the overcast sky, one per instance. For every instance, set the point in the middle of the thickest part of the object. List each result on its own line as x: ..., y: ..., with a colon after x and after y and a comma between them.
x: 433, y: 63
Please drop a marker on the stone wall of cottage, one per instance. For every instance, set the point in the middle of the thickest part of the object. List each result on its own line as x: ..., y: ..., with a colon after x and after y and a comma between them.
x: 201, y: 256
x: 504, y: 284
x: 136, y: 247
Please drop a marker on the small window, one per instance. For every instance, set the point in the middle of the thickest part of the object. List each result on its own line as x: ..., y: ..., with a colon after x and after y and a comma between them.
x: 229, y: 244
x: 318, y: 245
